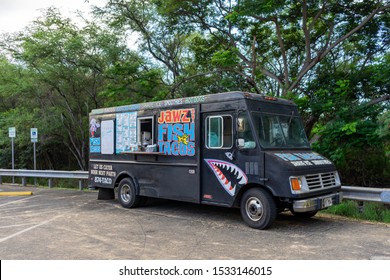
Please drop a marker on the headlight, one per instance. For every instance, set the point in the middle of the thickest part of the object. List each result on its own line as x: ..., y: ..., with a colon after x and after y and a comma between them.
x: 337, y: 179
x: 298, y: 184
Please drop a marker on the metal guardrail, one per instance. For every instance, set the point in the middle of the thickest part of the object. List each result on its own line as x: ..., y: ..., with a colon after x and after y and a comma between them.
x: 349, y: 192
x: 49, y: 174
x: 366, y: 194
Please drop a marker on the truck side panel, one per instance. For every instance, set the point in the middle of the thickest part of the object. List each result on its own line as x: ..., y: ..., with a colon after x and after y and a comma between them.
x: 165, y: 166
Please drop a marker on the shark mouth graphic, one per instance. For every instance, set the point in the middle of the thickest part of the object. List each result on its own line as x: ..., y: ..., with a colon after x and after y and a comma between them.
x: 228, y: 174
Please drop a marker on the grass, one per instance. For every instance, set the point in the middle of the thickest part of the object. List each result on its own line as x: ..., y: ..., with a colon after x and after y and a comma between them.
x: 370, y: 211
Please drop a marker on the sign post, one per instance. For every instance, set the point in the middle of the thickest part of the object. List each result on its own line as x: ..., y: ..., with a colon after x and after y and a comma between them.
x: 12, y: 135
x: 34, y: 140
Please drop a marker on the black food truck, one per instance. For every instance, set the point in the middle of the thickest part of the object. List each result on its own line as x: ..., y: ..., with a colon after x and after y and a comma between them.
x: 232, y: 149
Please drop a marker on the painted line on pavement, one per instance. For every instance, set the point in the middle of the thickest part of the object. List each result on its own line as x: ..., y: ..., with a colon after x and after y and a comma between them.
x: 28, y: 229
x: 19, y: 200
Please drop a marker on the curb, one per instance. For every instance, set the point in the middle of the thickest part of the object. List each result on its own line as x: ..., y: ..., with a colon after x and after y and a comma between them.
x: 15, y: 193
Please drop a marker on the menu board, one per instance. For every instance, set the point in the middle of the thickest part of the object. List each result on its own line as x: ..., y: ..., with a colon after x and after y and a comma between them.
x: 126, y: 132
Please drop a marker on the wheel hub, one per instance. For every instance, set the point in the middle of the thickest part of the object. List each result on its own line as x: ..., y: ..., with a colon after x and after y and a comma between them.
x: 254, y: 209
x: 125, y: 193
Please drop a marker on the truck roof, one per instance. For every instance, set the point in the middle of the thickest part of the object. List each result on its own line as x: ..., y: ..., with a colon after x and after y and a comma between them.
x: 210, y: 98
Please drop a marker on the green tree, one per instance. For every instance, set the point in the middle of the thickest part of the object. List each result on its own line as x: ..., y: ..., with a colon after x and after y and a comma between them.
x: 274, y: 44
x: 351, y: 126
x: 74, y: 70
x: 331, y: 57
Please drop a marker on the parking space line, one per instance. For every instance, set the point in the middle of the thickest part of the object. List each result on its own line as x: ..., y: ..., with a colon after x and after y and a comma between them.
x: 19, y: 207
x: 34, y: 214
x: 28, y: 229
x: 18, y: 225
x: 16, y: 201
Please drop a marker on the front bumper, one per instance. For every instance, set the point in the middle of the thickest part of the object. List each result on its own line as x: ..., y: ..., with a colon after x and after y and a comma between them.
x: 317, y: 203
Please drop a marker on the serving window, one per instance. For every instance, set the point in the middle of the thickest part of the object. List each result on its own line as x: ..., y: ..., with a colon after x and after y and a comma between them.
x: 146, y: 134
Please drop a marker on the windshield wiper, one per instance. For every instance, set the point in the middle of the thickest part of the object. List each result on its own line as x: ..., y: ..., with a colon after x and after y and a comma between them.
x: 285, y: 137
x: 290, y: 120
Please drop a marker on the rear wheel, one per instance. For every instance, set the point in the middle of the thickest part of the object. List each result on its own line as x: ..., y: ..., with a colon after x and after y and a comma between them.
x: 127, y: 194
x: 258, y: 208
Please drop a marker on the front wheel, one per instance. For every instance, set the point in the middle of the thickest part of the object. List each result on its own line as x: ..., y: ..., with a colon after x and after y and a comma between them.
x: 127, y: 194
x: 258, y: 208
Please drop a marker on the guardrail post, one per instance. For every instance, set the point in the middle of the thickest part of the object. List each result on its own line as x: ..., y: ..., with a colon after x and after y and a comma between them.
x: 50, y: 183
x: 361, y: 206
x: 80, y: 185
x: 24, y: 181
x: 1, y: 180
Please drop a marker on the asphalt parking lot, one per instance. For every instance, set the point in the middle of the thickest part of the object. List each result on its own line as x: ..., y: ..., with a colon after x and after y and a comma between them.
x: 68, y: 225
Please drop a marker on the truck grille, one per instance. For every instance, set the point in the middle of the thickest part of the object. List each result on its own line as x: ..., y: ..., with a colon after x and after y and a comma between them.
x: 322, y: 180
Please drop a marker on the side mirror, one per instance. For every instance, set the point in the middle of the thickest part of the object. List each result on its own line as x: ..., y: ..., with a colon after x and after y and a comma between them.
x: 240, y: 124
x: 240, y: 143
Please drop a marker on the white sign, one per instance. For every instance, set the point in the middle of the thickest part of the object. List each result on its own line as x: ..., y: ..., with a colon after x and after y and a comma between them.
x: 107, y: 135
x: 12, y: 132
x: 34, y: 134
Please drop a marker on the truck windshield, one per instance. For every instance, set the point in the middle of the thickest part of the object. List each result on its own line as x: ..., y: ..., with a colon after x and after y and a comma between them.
x: 280, y: 131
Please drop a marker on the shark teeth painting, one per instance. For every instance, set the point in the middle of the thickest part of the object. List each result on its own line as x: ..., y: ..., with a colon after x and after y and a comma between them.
x: 228, y: 174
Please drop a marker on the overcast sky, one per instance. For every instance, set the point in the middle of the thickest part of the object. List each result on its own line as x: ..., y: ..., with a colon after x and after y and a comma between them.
x: 16, y: 14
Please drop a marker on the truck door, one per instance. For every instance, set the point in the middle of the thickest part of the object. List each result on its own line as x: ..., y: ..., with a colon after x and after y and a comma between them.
x: 221, y: 174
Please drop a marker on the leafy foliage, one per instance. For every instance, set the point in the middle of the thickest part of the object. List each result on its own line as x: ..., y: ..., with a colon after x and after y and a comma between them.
x: 69, y: 71
x: 331, y: 57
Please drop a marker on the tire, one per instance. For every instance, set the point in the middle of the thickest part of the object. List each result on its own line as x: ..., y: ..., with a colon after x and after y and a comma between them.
x: 258, y: 208
x: 305, y: 215
x: 127, y: 194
